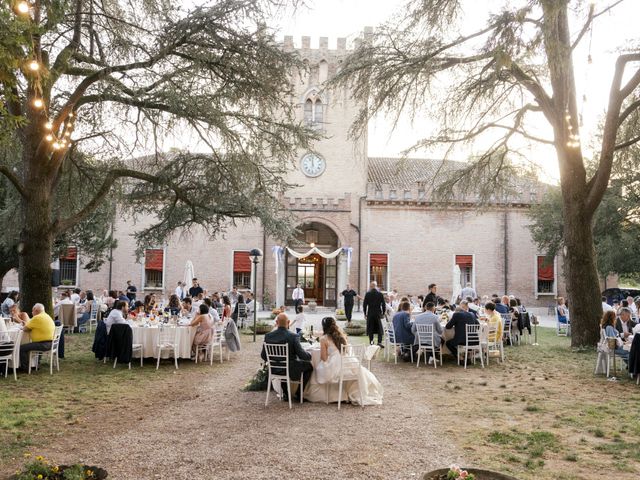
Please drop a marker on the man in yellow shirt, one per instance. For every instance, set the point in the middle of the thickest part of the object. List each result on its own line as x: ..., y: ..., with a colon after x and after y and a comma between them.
x: 42, y: 329
x: 494, y: 318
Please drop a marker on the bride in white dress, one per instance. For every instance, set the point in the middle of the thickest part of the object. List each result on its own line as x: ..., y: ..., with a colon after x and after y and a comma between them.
x: 326, y: 373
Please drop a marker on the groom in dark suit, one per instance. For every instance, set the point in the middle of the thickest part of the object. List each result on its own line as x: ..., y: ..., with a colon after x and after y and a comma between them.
x: 299, y: 359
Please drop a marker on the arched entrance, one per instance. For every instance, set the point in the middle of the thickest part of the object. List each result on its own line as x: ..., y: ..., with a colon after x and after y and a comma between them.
x: 315, y: 274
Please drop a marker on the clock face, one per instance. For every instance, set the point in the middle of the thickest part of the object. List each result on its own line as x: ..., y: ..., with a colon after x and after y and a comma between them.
x: 312, y: 165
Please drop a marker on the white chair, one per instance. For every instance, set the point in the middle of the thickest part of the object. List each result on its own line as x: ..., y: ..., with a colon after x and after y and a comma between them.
x: 214, y: 343
x: 167, y: 340
x: 507, y: 328
x: 605, y: 356
x: 426, y: 343
x: 391, y: 343
x: 92, y: 324
x: 242, y: 315
x: 472, y: 344
x: 223, y: 340
x: 494, y: 343
x: 52, y: 353
x: 13, y: 339
x: 68, y: 316
x: 277, y: 362
x: 350, y: 356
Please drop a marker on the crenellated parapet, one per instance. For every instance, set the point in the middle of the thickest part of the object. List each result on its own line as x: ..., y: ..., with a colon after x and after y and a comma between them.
x: 318, y: 204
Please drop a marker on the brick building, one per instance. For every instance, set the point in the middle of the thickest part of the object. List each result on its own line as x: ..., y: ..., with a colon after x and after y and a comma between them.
x: 374, y: 216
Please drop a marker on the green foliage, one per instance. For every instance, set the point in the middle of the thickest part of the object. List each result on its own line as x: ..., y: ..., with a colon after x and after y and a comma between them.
x: 615, y: 229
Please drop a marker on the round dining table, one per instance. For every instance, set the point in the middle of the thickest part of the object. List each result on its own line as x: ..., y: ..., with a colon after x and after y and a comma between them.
x: 148, y: 337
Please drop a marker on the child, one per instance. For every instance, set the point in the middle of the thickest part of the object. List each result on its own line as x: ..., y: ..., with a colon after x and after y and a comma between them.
x: 298, y: 321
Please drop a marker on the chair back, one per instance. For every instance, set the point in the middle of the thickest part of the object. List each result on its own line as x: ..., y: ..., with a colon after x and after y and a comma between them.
x: 492, y: 333
x: 167, y: 335
x: 10, y: 346
x: 390, y: 332
x: 357, y: 351
x: 425, y: 335
x: 242, y: 310
x: 68, y: 315
x: 95, y: 307
x: 506, y: 323
x: 57, y: 333
x: 277, y: 359
x: 472, y: 334
x: 220, y: 310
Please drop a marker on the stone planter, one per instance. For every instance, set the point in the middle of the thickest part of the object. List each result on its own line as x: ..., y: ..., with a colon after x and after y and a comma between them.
x: 355, y: 330
x: 312, y: 306
x: 341, y: 317
x: 480, y: 474
x: 261, y: 329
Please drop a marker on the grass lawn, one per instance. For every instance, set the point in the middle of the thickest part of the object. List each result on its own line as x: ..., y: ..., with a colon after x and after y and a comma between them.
x: 39, y: 408
x: 541, y: 415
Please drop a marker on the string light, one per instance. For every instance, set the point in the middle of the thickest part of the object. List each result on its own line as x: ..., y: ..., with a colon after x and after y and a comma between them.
x: 56, y: 146
x: 48, y: 125
x: 22, y: 7
x: 49, y: 138
x: 34, y: 66
x: 38, y: 103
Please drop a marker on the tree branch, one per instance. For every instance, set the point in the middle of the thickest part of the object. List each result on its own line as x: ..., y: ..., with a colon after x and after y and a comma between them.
x: 15, y: 181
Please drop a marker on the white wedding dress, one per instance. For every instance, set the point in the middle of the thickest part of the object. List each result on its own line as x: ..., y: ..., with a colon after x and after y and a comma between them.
x: 326, y: 375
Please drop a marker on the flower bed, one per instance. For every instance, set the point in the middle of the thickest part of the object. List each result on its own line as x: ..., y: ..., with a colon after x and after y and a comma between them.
x: 42, y: 469
x: 456, y: 473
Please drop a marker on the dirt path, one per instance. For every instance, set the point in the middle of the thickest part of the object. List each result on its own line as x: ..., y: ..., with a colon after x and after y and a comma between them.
x: 205, y: 427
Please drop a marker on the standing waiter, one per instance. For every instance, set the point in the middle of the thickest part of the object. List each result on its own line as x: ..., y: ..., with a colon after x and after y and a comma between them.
x: 374, y: 307
x: 349, y: 294
x: 298, y: 297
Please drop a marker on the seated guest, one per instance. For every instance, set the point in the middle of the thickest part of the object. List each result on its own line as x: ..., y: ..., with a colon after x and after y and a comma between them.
x: 197, y: 301
x: 215, y: 300
x: 10, y: 300
x: 429, y: 317
x: 187, y: 307
x: 516, y: 316
x: 459, y: 321
x: 474, y: 306
x: 226, y: 310
x: 500, y: 307
x: 493, y: 319
x: 605, y: 306
x: 299, y: 360
x: 149, y: 303
x: 110, y: 299
x: 42, y: 329
x: 616, y: 306
x: 174, y: 307
x: 123, y: 296
x: 65, y: 300
x: 213, y: 313
x: 88, y: 306
x: 75, y: 295
x: 138, y: 309
x: 563, y: 311
x: 607, y: 323
x: 632, y: 306
x: 17, y: 315
x: 624, y: 324
x: 250, y: 304
x: 204, y: 323
x: 402, y: 326
x: 118, y: 314
x: 234, y: 315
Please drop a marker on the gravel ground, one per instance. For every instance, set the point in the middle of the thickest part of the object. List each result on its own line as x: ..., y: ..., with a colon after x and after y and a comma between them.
x: 205, y: 427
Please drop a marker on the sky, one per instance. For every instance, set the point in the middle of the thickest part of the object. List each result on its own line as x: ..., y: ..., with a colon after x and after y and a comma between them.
x: 346, y: 18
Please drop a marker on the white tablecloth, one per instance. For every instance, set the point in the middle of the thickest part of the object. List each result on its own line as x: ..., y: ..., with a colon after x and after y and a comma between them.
x: 148, y: 337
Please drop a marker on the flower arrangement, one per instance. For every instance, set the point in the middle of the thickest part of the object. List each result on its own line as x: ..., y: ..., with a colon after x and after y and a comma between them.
x: 340, y: 311
x: 259, y: 381
x: 41, y: 469
x: 455, y: 473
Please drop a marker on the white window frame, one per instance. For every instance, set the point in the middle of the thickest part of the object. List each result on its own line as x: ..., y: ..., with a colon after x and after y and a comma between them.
x: 377, y: 252
x: 554, y: 293
x: 473, y: 267
x: 75, y: 285
x: 143, y: 277
x: 231, y: 285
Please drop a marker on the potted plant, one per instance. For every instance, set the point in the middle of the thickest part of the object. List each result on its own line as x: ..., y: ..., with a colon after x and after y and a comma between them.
x: 262, y: 327
x: 355, y: 329
x: 275, y: 312
x: 41, y: 468
x: 340, y: 314
x: 456, y: 473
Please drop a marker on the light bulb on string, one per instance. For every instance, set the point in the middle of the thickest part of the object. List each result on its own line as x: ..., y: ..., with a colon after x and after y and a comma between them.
x: 38, y: 103
x: 49, y: 137
x: 56, y: 146
x: 34, y: 66
x: 48, y: 125
x: 22, y: 7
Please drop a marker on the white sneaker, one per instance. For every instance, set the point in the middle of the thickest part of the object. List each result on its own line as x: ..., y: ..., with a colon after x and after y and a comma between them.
x: 430, y: 360
x: 277, y: 387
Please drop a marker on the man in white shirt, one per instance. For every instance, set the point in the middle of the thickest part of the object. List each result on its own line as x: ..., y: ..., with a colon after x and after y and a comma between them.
x: 75, y: 296
x: 117, y: 315
x: 605, y: 306
x: 65, y: 301
x: 632, y: 307
x: 298, y: 297
x: 180, y: 291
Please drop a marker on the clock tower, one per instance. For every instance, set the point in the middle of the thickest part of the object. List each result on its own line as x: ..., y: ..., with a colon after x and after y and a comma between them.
x: 337, y: 164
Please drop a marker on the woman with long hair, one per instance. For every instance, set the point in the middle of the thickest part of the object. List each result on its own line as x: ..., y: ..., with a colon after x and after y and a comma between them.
x: 323, y: 385
x: 174, y: 307
x: 234, y: 315
x: 226, y: 310
x: 204, y: 324
x: 608, y: 323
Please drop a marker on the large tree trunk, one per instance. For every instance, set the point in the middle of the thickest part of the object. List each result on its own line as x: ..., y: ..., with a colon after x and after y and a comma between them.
x: 36, y: 237
x: 583, y: 286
